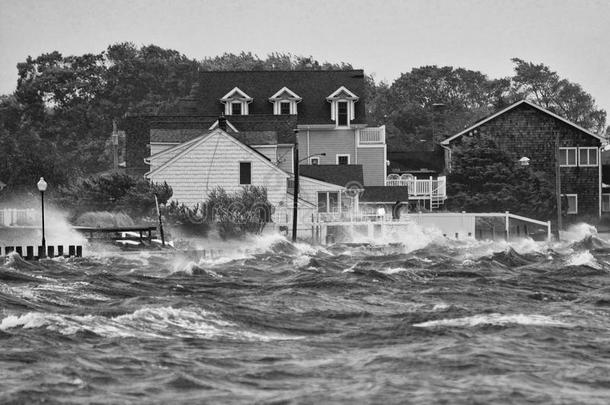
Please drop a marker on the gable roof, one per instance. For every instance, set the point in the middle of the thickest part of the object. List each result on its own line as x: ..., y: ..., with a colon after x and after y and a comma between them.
x: 342, y: 93
x: 313, y: 86
x: 285, y: 90
x: 202, y: 139
x: 236, y: 92
x: 340, y: 175
x: 511, y: 107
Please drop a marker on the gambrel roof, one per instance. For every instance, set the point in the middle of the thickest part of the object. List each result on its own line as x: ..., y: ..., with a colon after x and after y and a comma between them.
x: 511, y: 107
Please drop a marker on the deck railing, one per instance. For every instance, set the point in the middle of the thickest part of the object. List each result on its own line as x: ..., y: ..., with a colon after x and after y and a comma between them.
x: 373, y: 135
x: 417, y: 187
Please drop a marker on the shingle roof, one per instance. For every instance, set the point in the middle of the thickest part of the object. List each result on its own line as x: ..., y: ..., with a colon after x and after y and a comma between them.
x: 386, y: 194
x: 313, y: 86
x: 253, y: 130
x: 512, y: 106
x: 341, y: 175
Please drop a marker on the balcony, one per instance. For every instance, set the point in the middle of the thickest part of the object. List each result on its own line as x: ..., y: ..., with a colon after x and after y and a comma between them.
x: 371, y: 136
x: 420, y: 187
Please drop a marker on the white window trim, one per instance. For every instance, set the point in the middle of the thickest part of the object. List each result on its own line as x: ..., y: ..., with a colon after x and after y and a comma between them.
x: 607, y: 195
x: 576, y: 200
x: 589, y: 148
x: 575, y: 157
x: 342, y: 155
x: 314, y: 158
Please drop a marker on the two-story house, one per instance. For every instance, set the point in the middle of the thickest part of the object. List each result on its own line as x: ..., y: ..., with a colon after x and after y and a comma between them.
x: 526, y: 130
x: 270, y: 112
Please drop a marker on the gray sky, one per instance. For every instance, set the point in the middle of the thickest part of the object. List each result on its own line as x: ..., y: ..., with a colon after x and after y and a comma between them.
x: 385, y: 38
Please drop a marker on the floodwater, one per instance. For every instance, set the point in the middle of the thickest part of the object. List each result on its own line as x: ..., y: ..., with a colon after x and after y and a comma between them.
x: 426, y: 321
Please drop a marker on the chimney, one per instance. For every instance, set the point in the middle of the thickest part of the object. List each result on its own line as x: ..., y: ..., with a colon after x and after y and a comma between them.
x: 222, y: 122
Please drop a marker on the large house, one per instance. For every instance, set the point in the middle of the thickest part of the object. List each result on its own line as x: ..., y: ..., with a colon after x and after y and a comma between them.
x: 526, y: 130
x: 239, y: 128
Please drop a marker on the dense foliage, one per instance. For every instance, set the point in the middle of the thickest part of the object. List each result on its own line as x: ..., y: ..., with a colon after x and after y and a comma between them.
x: 111, y: 192
x: 233, y: 215
x: 484, y: 178
x: 58, y: 122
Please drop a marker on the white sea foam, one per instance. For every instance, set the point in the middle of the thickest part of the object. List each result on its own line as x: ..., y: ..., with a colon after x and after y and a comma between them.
x: 494, y: 319
x: 153, y: 323
x: 584, y: 258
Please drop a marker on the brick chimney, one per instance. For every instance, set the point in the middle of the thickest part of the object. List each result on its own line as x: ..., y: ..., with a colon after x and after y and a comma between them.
x: 222, y: 122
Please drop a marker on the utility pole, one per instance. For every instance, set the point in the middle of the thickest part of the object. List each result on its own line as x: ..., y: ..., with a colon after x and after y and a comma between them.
x: 296, y: 186
x: 115, y: 146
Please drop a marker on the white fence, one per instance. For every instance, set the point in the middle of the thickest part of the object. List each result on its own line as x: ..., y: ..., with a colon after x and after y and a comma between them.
x: 18, y: 217
x: 418, y: 187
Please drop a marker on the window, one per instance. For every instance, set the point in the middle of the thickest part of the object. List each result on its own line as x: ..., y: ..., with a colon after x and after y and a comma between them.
x: 567, y: 157
x: 245, y: 172
x: 587, y: 156
x: 333, y: 202
x: 322, y: 202
x: 285, y: 102
x: 285, y: 108
x: 343, y: 159
x: 605, y: 202
x: 314, y: 161
x: 236, y: 108
x: 342, y: 114
x: 328, y: 201
x: 342, y: 106
x: 572, y: 200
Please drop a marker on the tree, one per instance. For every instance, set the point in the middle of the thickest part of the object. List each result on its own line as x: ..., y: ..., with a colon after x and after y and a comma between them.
x: 484, y: 178
x: 430, y: 103
x: 543, y: 86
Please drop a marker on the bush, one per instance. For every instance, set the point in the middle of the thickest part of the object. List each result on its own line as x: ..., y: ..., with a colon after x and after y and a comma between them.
x: 234, y: 215
x: 113, y: 193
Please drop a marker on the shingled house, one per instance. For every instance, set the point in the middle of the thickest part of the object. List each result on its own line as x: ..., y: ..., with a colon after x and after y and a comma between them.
x: 524, y: 129
x: 268, y: 112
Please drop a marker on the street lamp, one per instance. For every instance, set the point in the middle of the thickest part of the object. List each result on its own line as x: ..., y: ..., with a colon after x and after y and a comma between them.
x: 42, y: 187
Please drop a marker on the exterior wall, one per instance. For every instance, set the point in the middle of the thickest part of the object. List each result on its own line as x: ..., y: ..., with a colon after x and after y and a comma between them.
x: 268, y: 151
x: 160, y: 147
x: 215, y: 163
x: 526, y: 131
x: 333, y: 142
x: 373, y: 164
x: 161, y: 160
x: 285, y: 158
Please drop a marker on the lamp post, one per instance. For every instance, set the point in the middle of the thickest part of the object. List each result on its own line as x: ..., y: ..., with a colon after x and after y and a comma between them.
x: 42, y: 187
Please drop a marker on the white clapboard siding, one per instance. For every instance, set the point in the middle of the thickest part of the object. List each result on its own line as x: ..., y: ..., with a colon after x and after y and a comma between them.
x: 214, y: 162
x: 308, y: 189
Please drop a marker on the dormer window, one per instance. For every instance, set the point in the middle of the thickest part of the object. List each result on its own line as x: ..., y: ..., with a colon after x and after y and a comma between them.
x: 285, y: 102
x: 342, y: 106
x: 236, y: 102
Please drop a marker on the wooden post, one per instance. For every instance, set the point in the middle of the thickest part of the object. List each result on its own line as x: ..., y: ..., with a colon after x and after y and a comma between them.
x: 160, y: 222
x: 507, y: 225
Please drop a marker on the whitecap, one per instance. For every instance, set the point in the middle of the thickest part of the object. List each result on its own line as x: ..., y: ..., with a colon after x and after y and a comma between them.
x: 493, y: 319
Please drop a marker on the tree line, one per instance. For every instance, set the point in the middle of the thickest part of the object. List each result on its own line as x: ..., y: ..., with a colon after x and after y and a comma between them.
x: 58, y: 121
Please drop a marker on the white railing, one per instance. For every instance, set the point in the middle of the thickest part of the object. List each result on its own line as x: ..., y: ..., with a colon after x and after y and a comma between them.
x: 373, y: 135
x: 417, y: 187
x: 16, y: 217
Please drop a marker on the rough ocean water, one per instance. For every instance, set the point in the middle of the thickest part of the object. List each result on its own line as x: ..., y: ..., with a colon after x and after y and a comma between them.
x: 425, y: 321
